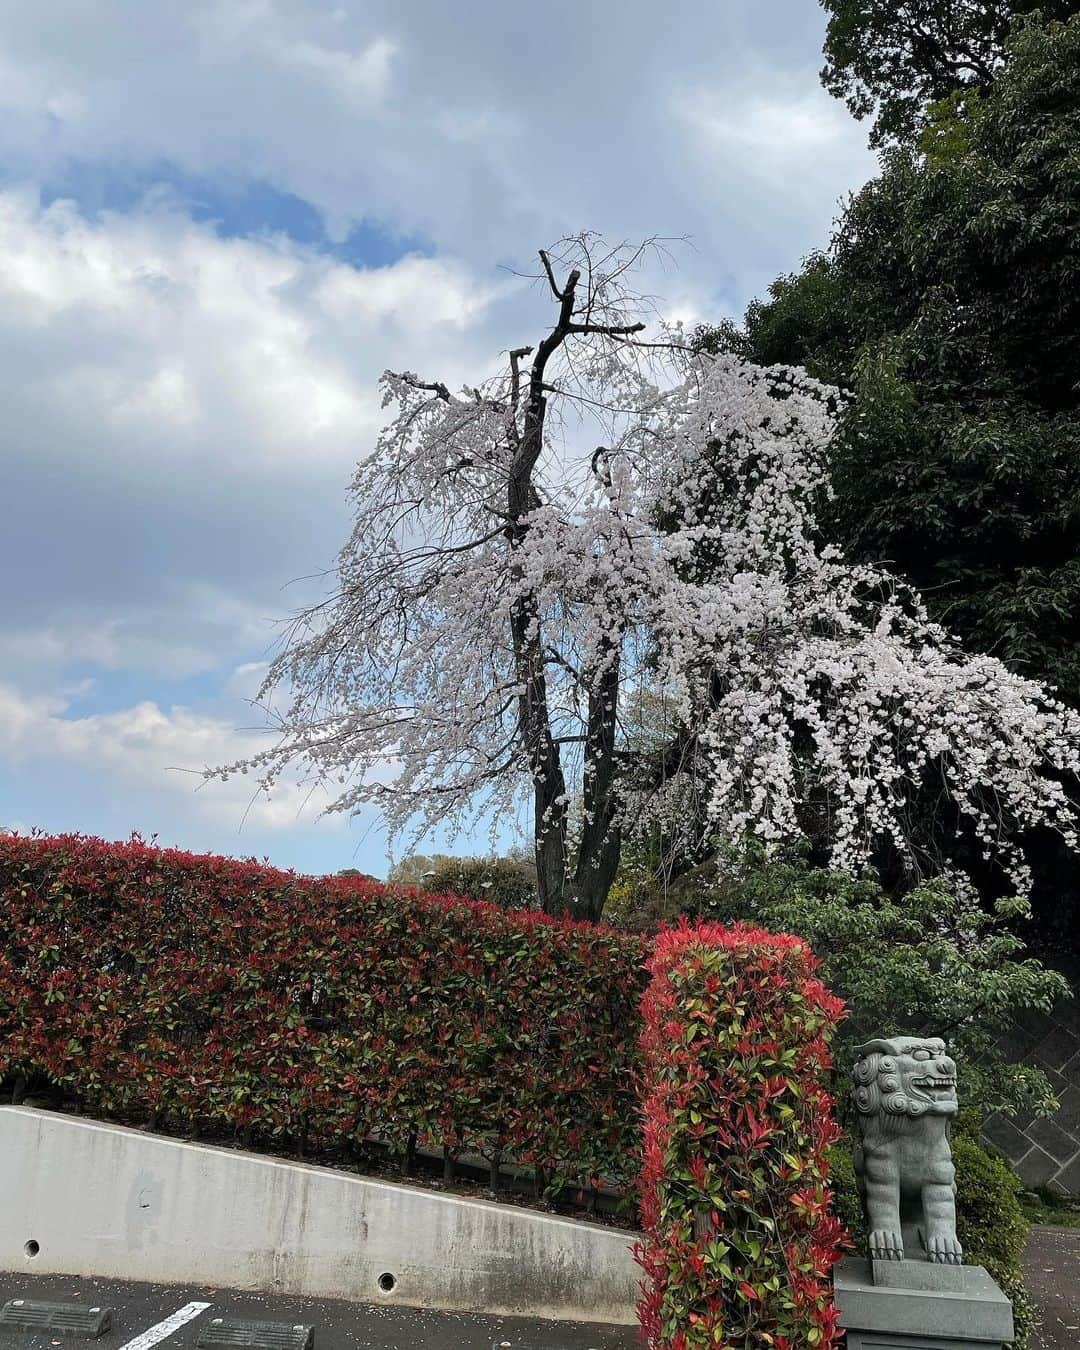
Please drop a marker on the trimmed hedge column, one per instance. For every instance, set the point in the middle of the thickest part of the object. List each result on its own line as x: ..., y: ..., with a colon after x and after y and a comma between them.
x: 739, y: 1239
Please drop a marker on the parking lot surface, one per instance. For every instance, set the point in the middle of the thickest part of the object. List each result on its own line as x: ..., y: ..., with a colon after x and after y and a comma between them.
x: 146, y: 1316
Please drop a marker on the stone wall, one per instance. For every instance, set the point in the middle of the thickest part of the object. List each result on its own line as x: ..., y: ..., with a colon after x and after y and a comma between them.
x: 1046, y: 1152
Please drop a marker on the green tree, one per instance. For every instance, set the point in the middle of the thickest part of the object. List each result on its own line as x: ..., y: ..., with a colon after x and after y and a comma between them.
x: 935, y: 962
x: 895, y: 58
x: 949, y: 304
x: 509, y: 881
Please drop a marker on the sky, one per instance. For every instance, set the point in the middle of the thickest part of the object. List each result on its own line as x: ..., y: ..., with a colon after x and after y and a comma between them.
x: 220, y: 221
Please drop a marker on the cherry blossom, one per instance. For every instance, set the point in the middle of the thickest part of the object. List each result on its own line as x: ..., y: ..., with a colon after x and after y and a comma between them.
x: 649, y: 630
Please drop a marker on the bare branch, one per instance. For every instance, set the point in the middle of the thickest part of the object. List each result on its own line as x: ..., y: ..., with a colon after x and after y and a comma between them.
x: 550, y: 275
x: 606, y: 330
x: 436, y: 387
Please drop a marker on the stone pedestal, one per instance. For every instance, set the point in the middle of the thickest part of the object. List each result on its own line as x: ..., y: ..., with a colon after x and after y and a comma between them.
x: 912, y: 1311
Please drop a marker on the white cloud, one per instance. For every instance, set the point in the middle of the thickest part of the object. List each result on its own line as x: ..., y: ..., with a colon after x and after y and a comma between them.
x: 146, y: 747
x: 112, y: 643
x: 190, y: 628
x: 158, y: 332
x: 363, y: 75
x: 182, y: 412
x: 782, y: 129
x: 482, y: 128
x: 246, y: 678
x: 414, y: 296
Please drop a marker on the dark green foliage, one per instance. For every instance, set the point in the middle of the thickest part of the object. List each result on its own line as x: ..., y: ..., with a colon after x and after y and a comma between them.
x: 991, y: 1226
x: 1044, y: 1206
x: 847, y: 1205
x: 931, y: 963
x: 992, y: 1222
x: 504, y: 881
x: 898, y: 57
x: 801, y: 324
x: 509, y: 882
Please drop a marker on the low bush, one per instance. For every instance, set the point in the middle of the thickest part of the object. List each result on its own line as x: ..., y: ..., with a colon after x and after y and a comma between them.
x: 203, y: 995
x: 991, y: 1226
x: 739, y: 1240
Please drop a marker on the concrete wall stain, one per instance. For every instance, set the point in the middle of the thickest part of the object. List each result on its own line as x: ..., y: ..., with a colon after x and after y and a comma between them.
x: 191, y: 1213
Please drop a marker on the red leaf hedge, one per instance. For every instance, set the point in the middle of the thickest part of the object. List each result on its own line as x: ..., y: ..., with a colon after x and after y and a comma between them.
x: 203, y: 993
x: 738, y: 1239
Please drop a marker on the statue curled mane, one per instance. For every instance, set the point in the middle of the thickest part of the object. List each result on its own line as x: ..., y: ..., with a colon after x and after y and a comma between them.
x: 905, y: 1093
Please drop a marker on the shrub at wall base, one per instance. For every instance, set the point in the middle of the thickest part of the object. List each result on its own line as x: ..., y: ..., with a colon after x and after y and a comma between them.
x: 211, y: 997
x: 739, y: 1240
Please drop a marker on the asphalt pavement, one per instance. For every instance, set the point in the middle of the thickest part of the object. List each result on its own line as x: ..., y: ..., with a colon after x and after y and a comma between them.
x: 146, y: 1316
x: 1052, y: 1275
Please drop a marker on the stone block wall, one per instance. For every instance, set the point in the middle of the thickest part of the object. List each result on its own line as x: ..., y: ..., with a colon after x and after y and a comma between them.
x: 1046, y: 1152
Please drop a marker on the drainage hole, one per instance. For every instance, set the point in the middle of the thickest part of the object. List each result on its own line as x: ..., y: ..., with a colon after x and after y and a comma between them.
x: 31, y: 1248
x: 387, y: 1282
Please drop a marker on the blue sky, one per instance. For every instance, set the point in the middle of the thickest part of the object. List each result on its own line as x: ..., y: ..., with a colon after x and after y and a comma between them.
x: 219, y: 222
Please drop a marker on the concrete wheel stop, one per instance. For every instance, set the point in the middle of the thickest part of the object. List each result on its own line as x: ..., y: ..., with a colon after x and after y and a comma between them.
x: 230, y: 1333
x: 57, y: 1319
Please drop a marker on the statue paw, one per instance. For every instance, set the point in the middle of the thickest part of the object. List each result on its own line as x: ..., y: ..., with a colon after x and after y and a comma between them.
x: 886, y: 1245
x: 944, y: 1249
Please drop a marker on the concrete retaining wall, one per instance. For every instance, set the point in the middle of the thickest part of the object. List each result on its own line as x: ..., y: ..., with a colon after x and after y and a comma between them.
x: 96, y: 1199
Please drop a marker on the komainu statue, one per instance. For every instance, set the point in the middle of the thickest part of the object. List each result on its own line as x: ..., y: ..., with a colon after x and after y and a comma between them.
x: 905, y: 1092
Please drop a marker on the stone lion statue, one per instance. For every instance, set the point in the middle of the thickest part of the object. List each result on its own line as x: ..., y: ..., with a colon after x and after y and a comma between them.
x: 905, y: 1092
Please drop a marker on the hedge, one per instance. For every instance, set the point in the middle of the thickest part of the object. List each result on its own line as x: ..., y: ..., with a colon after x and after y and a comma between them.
x: 201, y: 994
x: 739, y: 1240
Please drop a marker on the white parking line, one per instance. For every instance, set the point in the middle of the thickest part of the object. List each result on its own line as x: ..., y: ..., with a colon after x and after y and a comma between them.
x: 145, y: 1339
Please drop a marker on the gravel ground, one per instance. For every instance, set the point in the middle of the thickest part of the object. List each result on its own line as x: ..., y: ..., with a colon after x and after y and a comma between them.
x: 1052, y: 1271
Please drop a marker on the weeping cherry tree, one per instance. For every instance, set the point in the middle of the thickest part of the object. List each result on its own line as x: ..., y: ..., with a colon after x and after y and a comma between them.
x: 514, y: 593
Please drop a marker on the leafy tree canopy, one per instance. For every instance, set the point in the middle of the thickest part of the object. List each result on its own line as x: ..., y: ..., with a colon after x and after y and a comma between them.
x: 949, y: 303
x: 895, y: 58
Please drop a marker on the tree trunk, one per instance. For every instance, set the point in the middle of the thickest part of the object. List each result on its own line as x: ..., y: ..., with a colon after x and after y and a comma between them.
x: 549, y: 785
x: 593, y: 876
x: 591, y: 882
x: 601, y: 842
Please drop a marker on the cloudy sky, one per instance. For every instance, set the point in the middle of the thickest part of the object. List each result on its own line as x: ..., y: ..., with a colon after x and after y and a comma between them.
x: 219, y: 222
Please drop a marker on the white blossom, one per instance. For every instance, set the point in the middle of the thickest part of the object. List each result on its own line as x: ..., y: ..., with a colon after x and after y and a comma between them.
x: 683, y: 561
